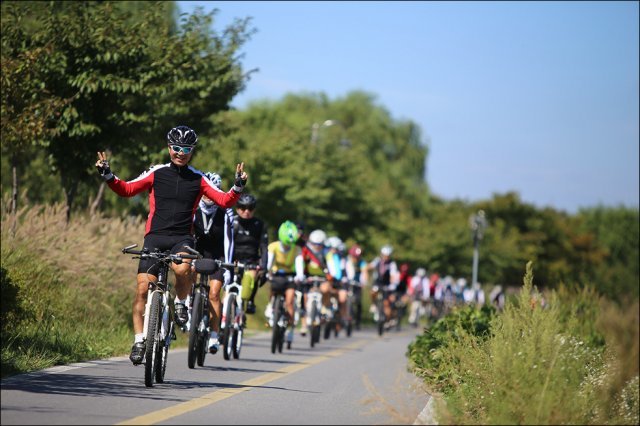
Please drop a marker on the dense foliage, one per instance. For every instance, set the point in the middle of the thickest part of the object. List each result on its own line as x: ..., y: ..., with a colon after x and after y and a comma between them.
x: 107, y: 76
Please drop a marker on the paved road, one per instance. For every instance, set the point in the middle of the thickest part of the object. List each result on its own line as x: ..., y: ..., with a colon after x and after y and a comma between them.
x: 357, y: 380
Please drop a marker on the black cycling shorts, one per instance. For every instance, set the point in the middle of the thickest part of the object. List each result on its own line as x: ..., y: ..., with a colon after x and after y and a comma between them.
x: 280, y: 283
x: 339, y: 285
x: 175, y: 243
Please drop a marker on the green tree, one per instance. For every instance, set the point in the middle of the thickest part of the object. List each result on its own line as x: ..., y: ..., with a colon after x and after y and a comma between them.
x: 130, y: 77
x: 28, y: 106
x: 357, y: 190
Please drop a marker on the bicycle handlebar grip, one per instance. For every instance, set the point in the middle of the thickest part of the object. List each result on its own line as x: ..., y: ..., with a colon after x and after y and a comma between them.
x: 128, y: 248
x: 194, y: 251
x: 226, y: 265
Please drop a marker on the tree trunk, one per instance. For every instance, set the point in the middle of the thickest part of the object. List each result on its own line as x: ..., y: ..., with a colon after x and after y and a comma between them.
x: 69, y: 195
x: 97, y: 202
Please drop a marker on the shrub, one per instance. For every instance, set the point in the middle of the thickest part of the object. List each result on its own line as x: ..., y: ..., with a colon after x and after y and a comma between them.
x: 540, y: 362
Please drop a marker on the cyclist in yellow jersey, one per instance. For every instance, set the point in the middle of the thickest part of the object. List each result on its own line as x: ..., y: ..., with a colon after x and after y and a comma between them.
x: 284, y: 260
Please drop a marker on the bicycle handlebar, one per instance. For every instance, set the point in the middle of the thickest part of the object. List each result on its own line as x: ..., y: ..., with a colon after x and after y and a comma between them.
x: 158, y: 255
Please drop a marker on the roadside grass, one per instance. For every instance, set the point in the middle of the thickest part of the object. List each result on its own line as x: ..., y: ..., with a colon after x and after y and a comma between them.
x: 66, y: 288
x: 560, y: 363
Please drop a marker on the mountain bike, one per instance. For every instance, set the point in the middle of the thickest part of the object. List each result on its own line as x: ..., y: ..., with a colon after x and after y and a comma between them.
x: 233, y: 319
x: 198, y: 324
x: 280, y: 319
x: 314, y: 305
x: 380, y: 318
x: 352, y: 306
x: 158, y: 316
x: 333, y: 318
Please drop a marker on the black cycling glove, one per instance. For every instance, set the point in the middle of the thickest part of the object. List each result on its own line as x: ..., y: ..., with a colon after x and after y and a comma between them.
x: 240, y: 183
x: 105, y: 171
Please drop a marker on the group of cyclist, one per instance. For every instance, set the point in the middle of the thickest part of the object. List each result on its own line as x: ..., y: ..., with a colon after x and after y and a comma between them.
x: 189, y: 210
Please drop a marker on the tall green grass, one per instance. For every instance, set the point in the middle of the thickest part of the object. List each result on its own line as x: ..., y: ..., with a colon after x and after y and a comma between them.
x: 555, y: 363
x: 66, y: 288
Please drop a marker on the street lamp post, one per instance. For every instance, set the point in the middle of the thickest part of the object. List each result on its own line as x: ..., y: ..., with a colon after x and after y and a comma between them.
x: 315, y: 130
x: 478, y: 223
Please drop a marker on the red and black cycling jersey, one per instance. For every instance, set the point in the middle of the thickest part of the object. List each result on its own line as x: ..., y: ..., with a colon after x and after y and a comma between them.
x: 174, y: 194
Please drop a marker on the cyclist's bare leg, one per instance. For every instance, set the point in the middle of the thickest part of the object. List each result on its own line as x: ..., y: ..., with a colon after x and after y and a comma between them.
x: 140, y: 300
x: 184, y: 278
x: 387, y: 305
x: 214, y: 300
x: 342, y: 302
x: 289, y: 296
x: 325, y: 289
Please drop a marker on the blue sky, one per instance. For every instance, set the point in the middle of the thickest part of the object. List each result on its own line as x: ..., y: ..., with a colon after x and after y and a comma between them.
x: 541, y: 98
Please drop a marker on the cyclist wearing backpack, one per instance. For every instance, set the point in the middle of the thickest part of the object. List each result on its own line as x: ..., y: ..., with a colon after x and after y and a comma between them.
x: 386, y: 275
x: 336, y: 263
x: 356, y: 270
x: 214, y: 240
x: 315, y: 264
x: 251, y: 241
x: 174, y: 191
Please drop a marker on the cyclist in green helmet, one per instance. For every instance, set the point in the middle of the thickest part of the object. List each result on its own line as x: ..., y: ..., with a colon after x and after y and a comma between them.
x: 284, y: 260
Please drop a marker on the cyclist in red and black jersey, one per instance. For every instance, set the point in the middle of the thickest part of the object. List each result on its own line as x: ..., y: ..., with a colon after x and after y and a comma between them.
x: 174, y: 191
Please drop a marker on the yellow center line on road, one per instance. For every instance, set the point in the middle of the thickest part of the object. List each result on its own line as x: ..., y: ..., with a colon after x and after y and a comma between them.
x: 219, y: 395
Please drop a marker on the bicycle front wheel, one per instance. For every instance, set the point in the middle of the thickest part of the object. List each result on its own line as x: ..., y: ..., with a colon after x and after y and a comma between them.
x: 313, y: 314
x: 153, y: 332
x: 381, y: 316
x: 194, y: 329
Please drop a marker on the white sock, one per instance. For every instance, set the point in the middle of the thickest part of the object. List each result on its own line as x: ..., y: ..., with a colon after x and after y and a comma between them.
x: 138, y: 338
x: 177, y: 300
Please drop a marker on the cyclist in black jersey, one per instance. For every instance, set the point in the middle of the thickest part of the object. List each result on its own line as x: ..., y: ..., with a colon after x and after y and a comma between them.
x: 251, y: 241
x: 174, y: 192
x: 213, y: 226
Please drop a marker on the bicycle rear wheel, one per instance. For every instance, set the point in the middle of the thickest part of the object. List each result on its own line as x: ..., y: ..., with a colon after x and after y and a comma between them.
x: 194, y: 330
x: 230, y: 316
x: 151, y: 349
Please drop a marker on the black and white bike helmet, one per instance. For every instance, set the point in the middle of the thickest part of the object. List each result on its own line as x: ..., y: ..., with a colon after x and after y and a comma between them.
x: 183, y: 136
x: 215, y: 179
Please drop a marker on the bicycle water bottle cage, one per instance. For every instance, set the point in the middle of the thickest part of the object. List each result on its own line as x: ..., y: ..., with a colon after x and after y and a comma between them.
x: 206, y: 266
